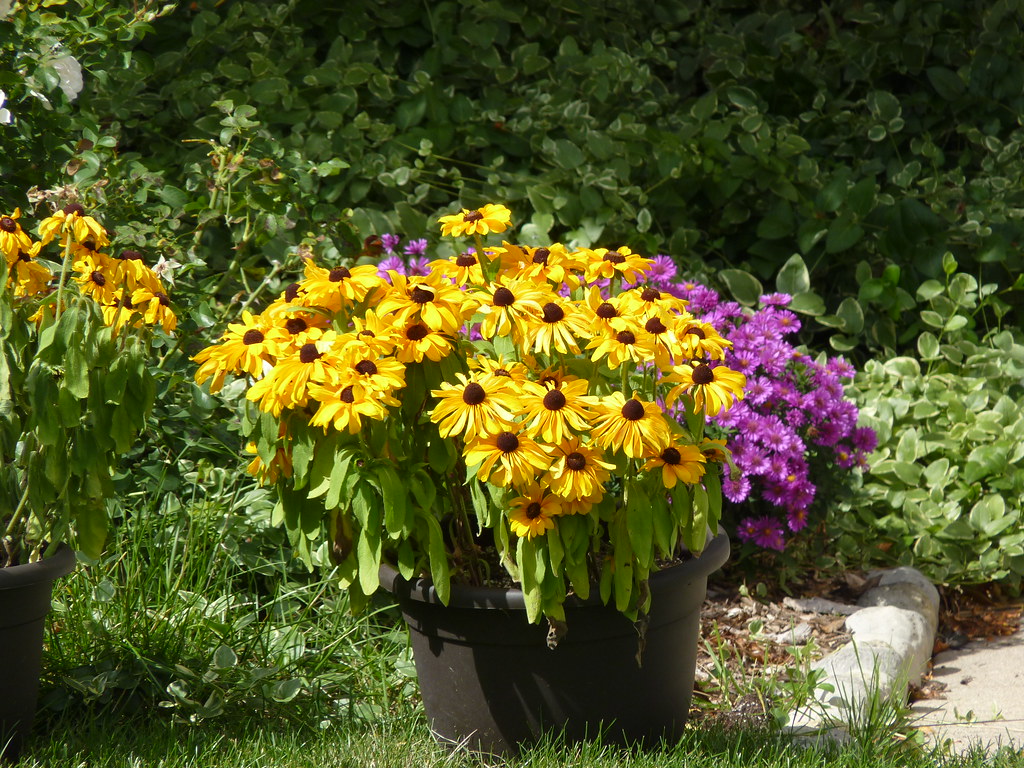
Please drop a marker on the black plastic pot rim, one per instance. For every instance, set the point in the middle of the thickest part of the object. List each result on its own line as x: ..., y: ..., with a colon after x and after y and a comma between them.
x: 422, y: 590
x: 61, y: 563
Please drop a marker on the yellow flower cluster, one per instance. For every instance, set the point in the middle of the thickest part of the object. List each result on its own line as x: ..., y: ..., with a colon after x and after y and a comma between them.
x: 336, y: 346
x: 126, y: 289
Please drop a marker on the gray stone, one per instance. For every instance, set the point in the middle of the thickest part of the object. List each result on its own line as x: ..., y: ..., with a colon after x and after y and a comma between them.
x: 907, y: 632
x: 819, y: 605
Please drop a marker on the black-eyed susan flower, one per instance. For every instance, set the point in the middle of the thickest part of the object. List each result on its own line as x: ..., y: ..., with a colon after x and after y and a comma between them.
x: 506, y: 458
x: 280, y: 465
x: 631, y: 426
x: 482, y: 221
x: 416, y: 342
x: 605, y: 264
x: 246, y: 347
x: 701, y: 340
x: 462, y: 270
x: 667, y: 349
x: 429, y: 300
x: 713, y: 389
x: 507, y: 304
x: 559, y: 326
x: 383, y: 375
x: 121, y: 312
x: 96, y: 277
x: 646, y: 300
x: 72, y: 223
x: 547, y: 264
x: 13, y: 239
x: 532, y: 513
x: 339, y: 286
x: 511, y: 369
x: 679, y: 462
x: 155, y: 308
x: 600, y: 311
x: 27, y: 276
x: 578, y: 471
x: 286, y: 384
x: 476, y: 406
x: 551, y: 412
x: 622, y: 341
x: 345, y: 407
x: 130, y: 269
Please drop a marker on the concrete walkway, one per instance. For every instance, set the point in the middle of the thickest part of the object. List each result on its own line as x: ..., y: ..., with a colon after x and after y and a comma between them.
x: 984, y: 696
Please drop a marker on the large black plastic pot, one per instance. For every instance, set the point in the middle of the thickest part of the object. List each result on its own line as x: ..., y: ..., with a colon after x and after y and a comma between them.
x: 25, y: 592
x: 489, y: 681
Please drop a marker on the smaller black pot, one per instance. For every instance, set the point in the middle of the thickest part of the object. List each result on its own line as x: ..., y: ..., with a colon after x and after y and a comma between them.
x: 490, y: 682
x: 25, y: 592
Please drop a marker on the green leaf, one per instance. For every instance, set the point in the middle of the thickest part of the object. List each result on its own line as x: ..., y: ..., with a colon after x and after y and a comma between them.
x: 793, y: 278
x: 639, y: 523
x: 946, y: 83
x: 929, y: 289
x: 843, y: 233
x: 808, y: 303
x: 928, y: 346
x: 438, y: 556
x: 851, y: 316
x: 745, y: 288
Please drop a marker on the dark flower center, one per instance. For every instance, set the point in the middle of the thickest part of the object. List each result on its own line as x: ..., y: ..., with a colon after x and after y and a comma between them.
x: 549, y: 380
x: 502, y: 372
x: 164, y: 301
x: 507, y: 442
x: 473, y: 394
x: 606, y: 311
x: 703, y: 374
x: 71, y: 208
x: 670, y: 456
x: 421, y: 295
x: 291, y: 292
x: 625, y: 337
x: 252, y: 336
x: 472, y: 216
x: 650, y: 294
x: 130, y: 255
x: 503, y: 297
x: 416, y: 332
x: 576, y: 462
x: 98, y: 278
x: 347, y: 395
x: 654, y: 325
x: 338, y: 274
x: 309, y: 353
x: 7, y: 224
x: 368, y: 333
x: 552, y: 313
x: 466, y: 260
x: 126, y: 303
x: 533, y: 510
x: 614, y: 258
x: 554, y: 400
x: 633, y: 410
x: 22, y: 256
x: 695, y: 331
x: 90, y: 244
x: 540, y: 256
x: 296, y: 325
x: 366, y: 367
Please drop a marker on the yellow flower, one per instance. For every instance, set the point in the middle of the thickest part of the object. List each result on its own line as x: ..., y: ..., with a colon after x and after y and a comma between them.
x: 623, y: 341
x: 602, y: 263
x: 551, y: 264
x: 507, y: 305
x: 155, y: 308
x: 12, y: 239
x: 490, y: 218
x: 286, y: 385
x: 518, y: 458
x: 339, y: 286
x: 483, y: 405
x: 280, y: 465
x: 97, y: 277
x: 429, y: 300
x: 559, y: 325
x: 551, y: 411
x: 131, y: 269
x: 701, y: 340
x: 648, y: 301
x: 713, y: 389
x: 26, y: 275
x: 245, y: 348
x: 71, y: 222
x: 345, y: 408
x: 462, y: 270
x: 121, y: 312
x: 512, y: 369
x: 600, y: 311
x: 579, y: 472
x: 679, y: 462
x: 531, y: 514
x: 417, y: 341
x: 630, y: 425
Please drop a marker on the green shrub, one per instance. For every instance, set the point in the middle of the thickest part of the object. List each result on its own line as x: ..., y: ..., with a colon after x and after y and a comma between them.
x: 946, y: 487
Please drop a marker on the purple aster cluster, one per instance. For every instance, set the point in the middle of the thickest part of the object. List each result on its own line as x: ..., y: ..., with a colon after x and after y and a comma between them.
x: 412, y: 260
x: 794, y: 423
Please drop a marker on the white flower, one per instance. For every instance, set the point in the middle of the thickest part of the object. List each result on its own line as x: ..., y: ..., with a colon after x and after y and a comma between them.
x: 164, y: 269
x: 70, y: 72
x: 5, y: 115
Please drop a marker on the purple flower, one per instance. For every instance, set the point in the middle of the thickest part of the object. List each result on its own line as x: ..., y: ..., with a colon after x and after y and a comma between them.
x: 390, y: 242
x: 419, y: 266
x: 767, y: 533
x: 416, y: 247
x: 736, y: 490
x: 797, y: 519
x: 776, y: 299
x: 662, y: 270
x: 391, y: 262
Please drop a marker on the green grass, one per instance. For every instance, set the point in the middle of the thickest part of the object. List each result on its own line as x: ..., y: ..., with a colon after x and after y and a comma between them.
x: 197, y: 642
